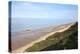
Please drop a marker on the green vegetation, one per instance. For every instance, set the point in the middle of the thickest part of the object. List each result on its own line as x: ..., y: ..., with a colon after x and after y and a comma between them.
x: 59, y: 41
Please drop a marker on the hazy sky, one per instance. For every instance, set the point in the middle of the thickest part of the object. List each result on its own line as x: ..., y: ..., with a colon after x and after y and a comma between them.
x: 43, y: 10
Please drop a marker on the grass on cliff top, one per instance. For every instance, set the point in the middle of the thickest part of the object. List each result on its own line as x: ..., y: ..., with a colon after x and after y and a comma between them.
x: 59, y: 41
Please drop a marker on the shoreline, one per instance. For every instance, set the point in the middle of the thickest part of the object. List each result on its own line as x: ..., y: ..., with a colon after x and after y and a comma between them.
x: 22, y: 49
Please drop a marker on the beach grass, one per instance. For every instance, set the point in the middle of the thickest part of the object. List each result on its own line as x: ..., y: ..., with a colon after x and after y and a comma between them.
x: 59, y: 41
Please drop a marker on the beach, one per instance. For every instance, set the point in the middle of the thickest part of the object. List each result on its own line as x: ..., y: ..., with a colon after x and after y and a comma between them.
x: 25, y: 39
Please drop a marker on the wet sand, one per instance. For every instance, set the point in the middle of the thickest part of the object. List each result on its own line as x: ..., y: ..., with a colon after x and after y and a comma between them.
x: 25, y: 39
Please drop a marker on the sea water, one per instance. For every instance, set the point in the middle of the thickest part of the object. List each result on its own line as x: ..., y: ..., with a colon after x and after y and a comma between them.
x: 18, y: 24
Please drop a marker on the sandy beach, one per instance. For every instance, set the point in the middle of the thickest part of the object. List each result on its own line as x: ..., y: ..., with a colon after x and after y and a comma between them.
x: 25, y: 39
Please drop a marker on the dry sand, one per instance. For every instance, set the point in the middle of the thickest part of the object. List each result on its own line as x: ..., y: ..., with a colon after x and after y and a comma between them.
x: 23, y: 40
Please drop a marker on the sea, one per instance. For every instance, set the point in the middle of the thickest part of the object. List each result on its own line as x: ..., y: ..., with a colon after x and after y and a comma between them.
x: 18, y: 24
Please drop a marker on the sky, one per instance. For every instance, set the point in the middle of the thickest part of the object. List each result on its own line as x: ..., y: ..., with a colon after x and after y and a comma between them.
x: 43, y: 10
